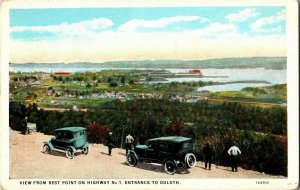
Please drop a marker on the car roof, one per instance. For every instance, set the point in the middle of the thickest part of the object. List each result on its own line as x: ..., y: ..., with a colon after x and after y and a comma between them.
x: 72, y: 129
x: 171, y: 139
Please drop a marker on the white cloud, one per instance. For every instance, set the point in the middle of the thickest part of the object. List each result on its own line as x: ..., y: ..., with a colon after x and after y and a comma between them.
x: 79, y: 28
x: 215, y: 41
x: 261, y: 24
x: 93, y: 41
x: 215, y: 29
x: 134, y: 24
x: 242, y: 15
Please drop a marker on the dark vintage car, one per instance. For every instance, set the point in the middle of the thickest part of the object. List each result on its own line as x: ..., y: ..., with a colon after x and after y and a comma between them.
x: 173, y: 152
x: 68, y: 139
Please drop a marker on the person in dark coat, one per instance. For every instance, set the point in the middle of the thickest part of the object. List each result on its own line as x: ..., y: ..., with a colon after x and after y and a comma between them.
x: 110, y: 143
x: 142, y: 139
x: 208, y: 153
x: 24, y: 126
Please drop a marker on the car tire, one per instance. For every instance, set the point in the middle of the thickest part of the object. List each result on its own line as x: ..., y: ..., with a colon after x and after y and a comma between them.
x: 46, y: 149
x: 170, y: 167
x: 190, y: 160
x: 85, y: 150
x: 69, y: 153
x: 131, y: 160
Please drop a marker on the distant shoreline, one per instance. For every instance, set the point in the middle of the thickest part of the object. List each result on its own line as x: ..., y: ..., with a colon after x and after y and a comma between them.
x: 278, y: 63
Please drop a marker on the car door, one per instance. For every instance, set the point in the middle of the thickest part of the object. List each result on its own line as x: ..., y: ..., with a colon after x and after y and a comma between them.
x: 163, y: 151
x: 150, y: 152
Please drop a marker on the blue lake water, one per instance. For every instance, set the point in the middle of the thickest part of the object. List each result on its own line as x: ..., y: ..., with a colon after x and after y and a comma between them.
x: 216, y: 75
x: 231, y: 75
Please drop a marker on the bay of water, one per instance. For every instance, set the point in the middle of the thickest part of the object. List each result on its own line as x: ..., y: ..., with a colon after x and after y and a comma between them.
x: 215, y: 75
x: 232, y: 75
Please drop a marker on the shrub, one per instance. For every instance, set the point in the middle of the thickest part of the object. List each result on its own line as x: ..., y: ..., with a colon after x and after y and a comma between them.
x: 113, y: 84
x: 177, y: 128
x: 97, y: 133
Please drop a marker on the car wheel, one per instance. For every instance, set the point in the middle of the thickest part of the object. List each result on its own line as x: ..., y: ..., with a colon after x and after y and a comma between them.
x: 190, y: 160
x: 85, y: 150
x: 170, y: 167
x: 131, y: 160
x: 46, y: 149
x: 69, y: 153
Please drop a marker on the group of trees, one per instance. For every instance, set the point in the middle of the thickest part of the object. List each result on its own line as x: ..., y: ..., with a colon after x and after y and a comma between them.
x: 259, y: 132
x: 17, y: 114
x: 25, y: 78
x: 92, y: 79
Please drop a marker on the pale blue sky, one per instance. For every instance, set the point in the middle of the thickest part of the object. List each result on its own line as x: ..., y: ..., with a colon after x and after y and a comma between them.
x: 122, y: 26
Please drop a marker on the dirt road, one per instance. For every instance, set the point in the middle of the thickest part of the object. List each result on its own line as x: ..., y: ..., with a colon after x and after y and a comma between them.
x: 28, y: 161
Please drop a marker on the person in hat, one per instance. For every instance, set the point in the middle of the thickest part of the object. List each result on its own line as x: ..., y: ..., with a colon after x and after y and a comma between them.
x: 208, y: 153
x: 110, y: 143
x: 24, y: 125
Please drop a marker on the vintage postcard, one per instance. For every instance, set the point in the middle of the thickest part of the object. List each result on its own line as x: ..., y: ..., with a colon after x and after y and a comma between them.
x: 149, y: 95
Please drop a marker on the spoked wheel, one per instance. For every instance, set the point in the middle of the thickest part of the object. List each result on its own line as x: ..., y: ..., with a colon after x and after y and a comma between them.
x: 46, y: 149
x: 85, y: 150
x: 190, y: 160
x: 131, y: 160
x: 170, y: 167
x: 69, y: 153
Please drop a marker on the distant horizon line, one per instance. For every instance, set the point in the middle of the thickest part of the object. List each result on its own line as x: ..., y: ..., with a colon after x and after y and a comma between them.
x: 152, y: 60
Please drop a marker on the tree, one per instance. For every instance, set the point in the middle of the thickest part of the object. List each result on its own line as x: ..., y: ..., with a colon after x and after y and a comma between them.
x: 88, y: 85
x: 17, y: 114
x: 113, y: 84
x: 123, y: 80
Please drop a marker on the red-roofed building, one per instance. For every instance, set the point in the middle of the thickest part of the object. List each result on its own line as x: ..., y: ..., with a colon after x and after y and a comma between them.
x: 62, y: 73
x: 195, y: 71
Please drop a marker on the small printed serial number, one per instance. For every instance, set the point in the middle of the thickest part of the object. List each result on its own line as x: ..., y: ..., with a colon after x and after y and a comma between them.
x: 262, y: 182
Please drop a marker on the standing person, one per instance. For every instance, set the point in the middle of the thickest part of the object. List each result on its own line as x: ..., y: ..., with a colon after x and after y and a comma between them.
x: 110, y: 143
x: 129, y: 141
x: 24, y: 126
x: 208, y: 153
x: 234, y: 152
x: 142, y: 139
